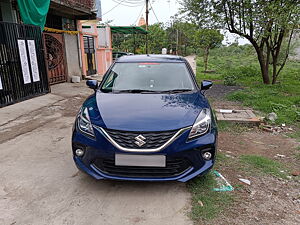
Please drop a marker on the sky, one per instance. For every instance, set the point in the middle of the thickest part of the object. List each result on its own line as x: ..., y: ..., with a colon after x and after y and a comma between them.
x: 122, y: 15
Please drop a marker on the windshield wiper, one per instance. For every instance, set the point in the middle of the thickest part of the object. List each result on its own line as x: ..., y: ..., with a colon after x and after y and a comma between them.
x: 135, y: 91
x: 177, y: 91
x: 106, y: 90
x: 150, y: 91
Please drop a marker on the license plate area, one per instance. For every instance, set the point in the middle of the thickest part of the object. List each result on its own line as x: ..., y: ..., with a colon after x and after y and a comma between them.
x: 140, y: 160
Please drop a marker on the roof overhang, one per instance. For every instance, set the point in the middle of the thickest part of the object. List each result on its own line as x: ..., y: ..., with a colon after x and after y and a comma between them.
x: 127, y: 30
x: 60, y: 8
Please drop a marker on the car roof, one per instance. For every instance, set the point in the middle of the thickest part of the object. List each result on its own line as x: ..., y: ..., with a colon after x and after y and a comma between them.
x: 151, y: 58
x: 120, y: 52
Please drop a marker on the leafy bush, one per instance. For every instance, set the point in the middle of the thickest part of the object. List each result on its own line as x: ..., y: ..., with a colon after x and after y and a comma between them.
x: 242, y: 71
x: 230, y: 80
x: 248, y: 71
x: 233, y: 50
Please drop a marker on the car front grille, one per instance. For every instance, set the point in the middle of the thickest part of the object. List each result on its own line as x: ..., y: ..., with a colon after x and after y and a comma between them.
x: 174, y: 167
x: 152, y: 140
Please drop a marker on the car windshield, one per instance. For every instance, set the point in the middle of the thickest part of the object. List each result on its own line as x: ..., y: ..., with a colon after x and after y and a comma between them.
x: 148, y: 77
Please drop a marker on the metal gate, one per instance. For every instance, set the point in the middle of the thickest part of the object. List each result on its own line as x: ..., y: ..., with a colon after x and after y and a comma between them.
x: 55, y: 58
x: 89, y: 50
x: 22, y: 64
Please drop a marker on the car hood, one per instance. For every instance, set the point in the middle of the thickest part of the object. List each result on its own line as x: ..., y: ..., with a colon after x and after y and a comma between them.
x: 147, y: 112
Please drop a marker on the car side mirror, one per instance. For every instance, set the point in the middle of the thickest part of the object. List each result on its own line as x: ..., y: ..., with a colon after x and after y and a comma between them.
x: 206, y: 84
x: 93, y: 84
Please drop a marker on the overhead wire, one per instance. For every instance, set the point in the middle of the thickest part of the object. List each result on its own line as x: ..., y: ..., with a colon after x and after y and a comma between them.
x: 133, y: 3
x: 154, y: 12
x: 112, y: 8
x: 140, y: 14
x: 130, y: 3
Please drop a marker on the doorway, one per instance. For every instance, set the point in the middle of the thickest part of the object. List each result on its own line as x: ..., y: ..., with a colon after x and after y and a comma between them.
x: 89, y: 50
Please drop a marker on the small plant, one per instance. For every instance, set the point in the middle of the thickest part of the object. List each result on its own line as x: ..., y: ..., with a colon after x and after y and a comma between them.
x: 230, y: 80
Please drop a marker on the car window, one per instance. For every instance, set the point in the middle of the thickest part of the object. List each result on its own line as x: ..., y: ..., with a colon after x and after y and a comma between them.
x: 148, y: 77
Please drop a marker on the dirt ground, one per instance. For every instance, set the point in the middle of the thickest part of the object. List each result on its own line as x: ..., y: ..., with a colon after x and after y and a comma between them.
x: 218, y: 91
x: 268, y: 200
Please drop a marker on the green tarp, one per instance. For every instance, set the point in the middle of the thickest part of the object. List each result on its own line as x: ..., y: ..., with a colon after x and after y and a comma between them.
x: 34, y: 12
x: 126, y: 29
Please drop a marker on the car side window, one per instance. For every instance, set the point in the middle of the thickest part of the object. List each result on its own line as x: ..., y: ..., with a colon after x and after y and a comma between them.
x: 109, y: 83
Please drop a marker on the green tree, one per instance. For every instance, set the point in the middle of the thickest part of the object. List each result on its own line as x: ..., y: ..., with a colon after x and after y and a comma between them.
x: 181, y: 35
x: 207, y: 39
x: 267, y: 25
x: 157, y: 38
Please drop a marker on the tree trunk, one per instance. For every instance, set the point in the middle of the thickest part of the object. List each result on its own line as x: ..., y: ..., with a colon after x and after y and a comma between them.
x: 206, y: 53
x: 265, y: 72
x: 264, y: 66
x: 274, y: 76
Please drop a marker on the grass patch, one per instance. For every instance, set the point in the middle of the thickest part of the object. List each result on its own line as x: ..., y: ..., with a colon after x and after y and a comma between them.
x: 295, y: 135
x: 213, y: 202
x: 297, y: 156
x: 220, y: 158
x: 231, y: 127
x: 239, y: 186
x: 239, y: 65
x: 270, y: 99
x: 263, y: 165
x: 226, y: 61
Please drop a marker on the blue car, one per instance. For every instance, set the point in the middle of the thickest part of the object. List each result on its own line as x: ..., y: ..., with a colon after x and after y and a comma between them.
x: 147, y: 121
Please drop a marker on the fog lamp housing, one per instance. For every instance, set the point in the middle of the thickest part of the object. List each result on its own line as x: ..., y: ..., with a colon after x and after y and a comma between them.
x: 79, y: 152
x: 207, y: 155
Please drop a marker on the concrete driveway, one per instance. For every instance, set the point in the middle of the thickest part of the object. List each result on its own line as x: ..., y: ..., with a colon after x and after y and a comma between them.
x: 41, y: 185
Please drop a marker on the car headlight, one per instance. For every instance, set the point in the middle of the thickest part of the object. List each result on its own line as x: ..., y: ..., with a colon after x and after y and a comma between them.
x: 202, y: 124
x: 84, y: 123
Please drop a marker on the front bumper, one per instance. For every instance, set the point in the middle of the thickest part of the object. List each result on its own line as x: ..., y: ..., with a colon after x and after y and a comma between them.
x: 184, y: 159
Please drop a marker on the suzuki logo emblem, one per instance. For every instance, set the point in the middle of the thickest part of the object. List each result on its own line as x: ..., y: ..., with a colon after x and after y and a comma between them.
x: 140, y: 140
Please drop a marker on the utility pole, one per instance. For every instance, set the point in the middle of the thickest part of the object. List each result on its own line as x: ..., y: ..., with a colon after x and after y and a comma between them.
x: 147, y: 23
x: 147, y: 14
x: 177, y: 41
